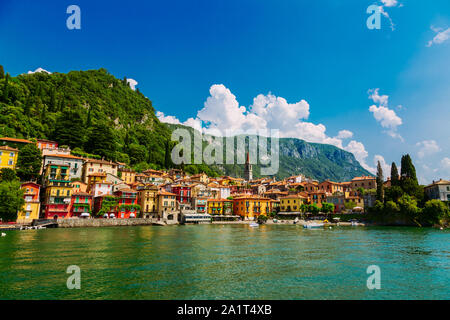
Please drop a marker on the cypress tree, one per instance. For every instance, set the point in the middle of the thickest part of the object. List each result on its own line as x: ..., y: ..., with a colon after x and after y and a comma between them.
x: 2, y: 72
x: 380, y: 182
x: 394, y: 175
x: 408, y: 171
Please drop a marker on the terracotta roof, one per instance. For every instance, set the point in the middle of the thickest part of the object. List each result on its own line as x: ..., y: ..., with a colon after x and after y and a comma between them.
x: 101, y: 161
x: 67, y: 156
x: 165, y: 193
x: 126, y: 190
x: 363, y: 178
x: 219, y: 200
x: 15, y: 140
x: 82, y: 194
x: 7, y: 148
x: 45, y: 140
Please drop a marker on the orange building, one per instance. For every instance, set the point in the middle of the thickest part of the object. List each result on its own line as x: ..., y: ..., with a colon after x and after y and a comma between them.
x: 250, y: 207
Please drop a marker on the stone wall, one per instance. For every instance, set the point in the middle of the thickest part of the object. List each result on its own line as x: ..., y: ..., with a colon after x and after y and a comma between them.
x: 83, y: 223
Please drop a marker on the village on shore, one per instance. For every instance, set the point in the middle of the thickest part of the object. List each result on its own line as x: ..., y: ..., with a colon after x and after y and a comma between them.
x: 75, y: 187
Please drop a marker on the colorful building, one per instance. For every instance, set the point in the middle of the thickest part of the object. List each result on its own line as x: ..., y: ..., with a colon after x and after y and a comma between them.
x: 75, y: 163
x: 8, y: 157
x: 127, y: 175
x: 167, y: 204
x: 200, y: 204
x: 46, y: 144
x: 58, y: 191
x: 148, y: 200
x: 292, y: 203
x: 92, y: 166
x: 183, y: 193
x: 31, y: 208
x: 250, y: 207
x: 220, y: 206
x: 127, y: 205
x: 365, y: 182
x: 81, y: 204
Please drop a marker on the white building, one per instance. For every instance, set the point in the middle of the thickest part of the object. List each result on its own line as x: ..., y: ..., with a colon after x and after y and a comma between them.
x: 439, y: 190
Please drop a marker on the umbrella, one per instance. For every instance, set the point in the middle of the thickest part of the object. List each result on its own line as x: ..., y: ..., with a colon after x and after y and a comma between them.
x: 132, y: 215
x: 112, y: 215
x: 85, y: 214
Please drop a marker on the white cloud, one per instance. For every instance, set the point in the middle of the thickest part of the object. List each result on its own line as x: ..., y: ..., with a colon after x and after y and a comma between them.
x: 222, y: 115
x: 427, y: 148
x: 344, y: 134
x: 132, y: 83
x: 385, y: 116
x: 167, y: 119
x: 39, y: 70
x: 389, y: 3
x: 440, y: 37
x: 386, y: 167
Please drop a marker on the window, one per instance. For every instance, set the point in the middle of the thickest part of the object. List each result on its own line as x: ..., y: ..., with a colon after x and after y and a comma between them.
x: 11, y: 154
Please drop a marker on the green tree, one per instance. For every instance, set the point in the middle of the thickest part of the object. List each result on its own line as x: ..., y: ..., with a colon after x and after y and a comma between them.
x: 102, y: 140
x: 434, y: 212
x: 11, y: 200
x: 393, y: 193
x: 394, y: 175
x: 391, y: 208
x: 2, y: 72
x: 380, y: 182
x: 137, y: 153
x: 350, y: 205
x: 314, y: 209
x: 6, y: 89
x: 408, y: 171
x: 408, y: 206
x: 29, y: 162
x: 7, y: 174
x: 69, y: 129
x: 327, y: 207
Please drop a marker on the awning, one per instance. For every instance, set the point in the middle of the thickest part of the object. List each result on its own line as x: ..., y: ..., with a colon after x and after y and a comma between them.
x: 112, y: 215
x: 85, y: 214
x: 132, y: 215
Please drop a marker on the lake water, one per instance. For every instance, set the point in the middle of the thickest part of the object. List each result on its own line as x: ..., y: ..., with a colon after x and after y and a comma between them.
x: 226, y: 262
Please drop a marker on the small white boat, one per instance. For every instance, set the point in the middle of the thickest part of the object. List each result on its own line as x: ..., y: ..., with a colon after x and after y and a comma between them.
x: 254, y: 225
x: 313, y: 225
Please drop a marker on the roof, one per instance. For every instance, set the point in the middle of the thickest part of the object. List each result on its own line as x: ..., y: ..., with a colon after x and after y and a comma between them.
x: 440, y: 182
x: 15, y: 140
x: 100, y: 161
x: 363, y: 178
x: 30, y: 182
x: 82, y: 194
x: 67, y: 156
x: 45, y: 140
x: 127, y: 190
x: 294, y: 196
x: 219, y: 200
x: 7, y: 148
x: 251, y: 197
x: 165, y: 193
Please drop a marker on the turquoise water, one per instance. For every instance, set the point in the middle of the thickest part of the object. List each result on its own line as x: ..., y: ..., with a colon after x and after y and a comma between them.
x: 226, y: 262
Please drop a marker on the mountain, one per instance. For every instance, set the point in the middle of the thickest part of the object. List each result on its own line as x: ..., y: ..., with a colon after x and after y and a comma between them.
x: 97, y: 114
x: 314, y: 160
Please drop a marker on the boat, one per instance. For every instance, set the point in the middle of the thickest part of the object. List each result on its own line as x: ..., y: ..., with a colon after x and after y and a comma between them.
x: 254, y: 225
x: 313, y: 225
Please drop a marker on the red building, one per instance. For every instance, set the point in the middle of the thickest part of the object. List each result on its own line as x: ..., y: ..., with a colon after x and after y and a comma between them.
x: 81, y: 203
x: 127, y: 204
x: 46, y: 144
x: 183, y: 193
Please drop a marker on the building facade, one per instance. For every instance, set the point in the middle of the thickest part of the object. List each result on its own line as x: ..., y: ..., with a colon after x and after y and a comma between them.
x: 32, y: 206
x: 8, y: 157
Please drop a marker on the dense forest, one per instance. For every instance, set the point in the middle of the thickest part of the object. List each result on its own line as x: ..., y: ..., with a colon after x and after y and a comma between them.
x: 92, y: 112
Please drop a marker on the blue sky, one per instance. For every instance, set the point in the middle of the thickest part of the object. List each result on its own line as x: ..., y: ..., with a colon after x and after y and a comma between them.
x: 312, y: 63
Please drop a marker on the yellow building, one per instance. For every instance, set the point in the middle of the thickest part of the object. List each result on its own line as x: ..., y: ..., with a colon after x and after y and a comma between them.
x: 220, y: 206
x: 128, y: 175
x: 167, y: 205
x: 292, y: 203
x: 8, y: 157
x: 250, y: 207
x: 148, y: 200
x: 58, y: 191
x: 32, y: 205
x: 92, y: 166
